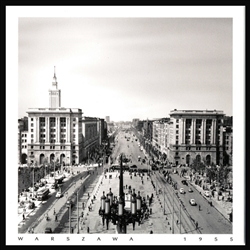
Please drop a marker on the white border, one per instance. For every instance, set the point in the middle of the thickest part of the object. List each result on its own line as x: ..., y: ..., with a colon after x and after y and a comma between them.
x: 235, y: 12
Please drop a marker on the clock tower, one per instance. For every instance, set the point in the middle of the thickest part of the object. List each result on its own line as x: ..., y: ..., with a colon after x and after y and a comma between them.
x: 54, y: 93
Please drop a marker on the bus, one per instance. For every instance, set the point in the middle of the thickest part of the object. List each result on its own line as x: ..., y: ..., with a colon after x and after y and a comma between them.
x: 42, y: 194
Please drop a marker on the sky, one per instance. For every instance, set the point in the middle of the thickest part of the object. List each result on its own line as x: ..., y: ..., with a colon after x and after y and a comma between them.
x: 126, y: 68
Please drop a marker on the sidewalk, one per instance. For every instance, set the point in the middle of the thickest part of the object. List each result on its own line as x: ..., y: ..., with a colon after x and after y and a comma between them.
x: 58, y: 205
x: 93, y: 220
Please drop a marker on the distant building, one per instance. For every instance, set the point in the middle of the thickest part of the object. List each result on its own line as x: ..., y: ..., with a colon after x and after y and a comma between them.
x: 107, y: 119
x: 91, y: 137
x: 22, y: 140
x: 135, y: 122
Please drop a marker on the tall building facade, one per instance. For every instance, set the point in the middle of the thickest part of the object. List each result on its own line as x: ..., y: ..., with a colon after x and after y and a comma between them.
x: 195, y: 135
x: 54, y: 133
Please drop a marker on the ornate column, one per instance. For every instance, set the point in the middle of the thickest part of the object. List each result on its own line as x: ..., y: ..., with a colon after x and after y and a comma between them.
x: 193, y: 130
x: 183, y: 130
x: 214, y: 130
x: 58, y: 129
x: 68, y: 129
x: 203, y: 129
x: 37, y: 129
x: 47, y: 129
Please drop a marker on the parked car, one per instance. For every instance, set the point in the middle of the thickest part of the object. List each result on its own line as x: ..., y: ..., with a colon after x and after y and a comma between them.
x: 190, y: 190
x: 182, y: 191
x: 207, y: 193
x: 48, y: 230
x: 192, y: 202
x: 58, y: 194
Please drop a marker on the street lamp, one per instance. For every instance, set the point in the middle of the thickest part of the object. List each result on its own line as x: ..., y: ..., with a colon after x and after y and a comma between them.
x: 123, y: 210
x: 69, y: 208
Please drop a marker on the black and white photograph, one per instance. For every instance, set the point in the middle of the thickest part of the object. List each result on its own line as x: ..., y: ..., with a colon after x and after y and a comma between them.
x: 125, y: 125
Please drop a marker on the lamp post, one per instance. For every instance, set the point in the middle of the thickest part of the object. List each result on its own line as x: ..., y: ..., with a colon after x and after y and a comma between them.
x: 69, y: 208
x: 77, y: 212
x: 180, y: 217
x: 173, y: 214
x: 114, y: 209
x: 33, y: 181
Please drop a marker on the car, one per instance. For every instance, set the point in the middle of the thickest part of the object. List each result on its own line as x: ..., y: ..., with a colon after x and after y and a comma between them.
x: 182, y: 191
x: 184, y: 182
x: 192, y: 202
x: 207, y: 193
x: 190, y: 190
x: 58, y: 194
x: 48, y: 230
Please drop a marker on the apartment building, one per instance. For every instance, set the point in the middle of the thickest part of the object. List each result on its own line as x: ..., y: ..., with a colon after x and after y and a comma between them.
x: 195, y: 135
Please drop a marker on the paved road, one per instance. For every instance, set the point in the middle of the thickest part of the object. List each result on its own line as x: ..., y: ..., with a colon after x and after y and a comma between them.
x: 210, y: 220
x: 38, y: 213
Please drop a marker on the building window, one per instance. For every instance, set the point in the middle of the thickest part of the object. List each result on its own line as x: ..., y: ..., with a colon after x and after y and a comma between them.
x: 31, y: 124
x: 31, y: 147
x: 177, y: 120
x: 176, y: 142
x: 177, y: 125
x: 177, y: 131
x: 32, y: 141
x: 32, y: 119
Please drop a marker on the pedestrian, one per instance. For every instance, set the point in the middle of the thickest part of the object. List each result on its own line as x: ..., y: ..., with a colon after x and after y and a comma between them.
x: 199, y: 208
x: 56, y: 217
x: 54, y: 211
x: 88, y: 230
x: 23, y: 217
x: 151, y: 232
